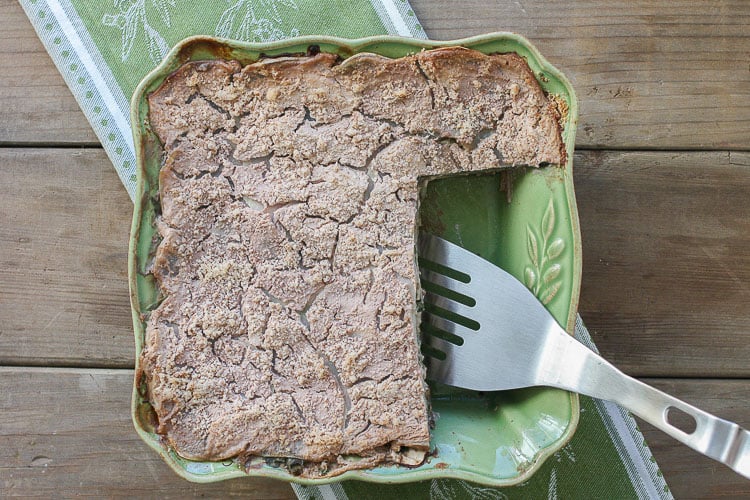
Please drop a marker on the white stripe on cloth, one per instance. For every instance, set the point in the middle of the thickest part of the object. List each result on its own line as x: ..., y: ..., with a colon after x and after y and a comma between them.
x: 621, y: 429
x: 110, y: 102
x: 61, y: 31
x: 628, y: 442
x: 393, y: 16
x: 114, y: 87
x: 332, y: 491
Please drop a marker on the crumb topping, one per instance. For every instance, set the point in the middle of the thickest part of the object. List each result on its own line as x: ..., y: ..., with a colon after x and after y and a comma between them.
x: 289, y: 196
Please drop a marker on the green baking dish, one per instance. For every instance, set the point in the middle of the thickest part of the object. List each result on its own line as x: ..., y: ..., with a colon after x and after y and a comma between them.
x: 524, y: 220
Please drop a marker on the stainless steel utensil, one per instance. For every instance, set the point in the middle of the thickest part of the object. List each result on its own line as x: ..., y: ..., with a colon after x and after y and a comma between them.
x: 485, y: 331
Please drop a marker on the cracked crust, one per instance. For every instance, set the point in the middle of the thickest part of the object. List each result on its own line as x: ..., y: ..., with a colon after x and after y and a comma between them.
x: 289, y: 198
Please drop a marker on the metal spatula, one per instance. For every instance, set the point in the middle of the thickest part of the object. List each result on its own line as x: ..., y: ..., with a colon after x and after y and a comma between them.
x: 485, y: 331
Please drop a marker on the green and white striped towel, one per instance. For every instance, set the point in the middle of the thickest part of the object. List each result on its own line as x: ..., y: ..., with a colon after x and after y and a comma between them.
x: 103, y: 49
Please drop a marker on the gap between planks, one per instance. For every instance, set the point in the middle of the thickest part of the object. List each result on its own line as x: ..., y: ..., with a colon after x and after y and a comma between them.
x: 108, y: 370
x: 623, y: 149
x: 665, y: 240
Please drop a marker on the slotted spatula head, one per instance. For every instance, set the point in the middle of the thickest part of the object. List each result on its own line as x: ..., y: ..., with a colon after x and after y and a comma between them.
x: 482, y: 328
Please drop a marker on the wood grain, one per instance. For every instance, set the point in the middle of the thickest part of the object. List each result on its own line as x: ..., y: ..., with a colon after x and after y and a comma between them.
x: 35, y: 104
x: 55, y: 444
x: 648, y: 75
x: 67, y: 432
x: 664, y: 75
x: 666, y: 247
x: 689, y: 474
x: 666, y: 250
x: 665, y: 238
x: 63, y: 254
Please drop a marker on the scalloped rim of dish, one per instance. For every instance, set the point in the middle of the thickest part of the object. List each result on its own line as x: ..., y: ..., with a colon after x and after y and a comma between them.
x: 180, y: 54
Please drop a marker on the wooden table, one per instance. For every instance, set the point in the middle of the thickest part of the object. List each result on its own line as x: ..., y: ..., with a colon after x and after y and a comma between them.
x: 663, y: 187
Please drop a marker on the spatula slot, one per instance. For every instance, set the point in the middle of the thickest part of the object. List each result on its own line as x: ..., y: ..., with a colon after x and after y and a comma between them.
x: 681, y: 420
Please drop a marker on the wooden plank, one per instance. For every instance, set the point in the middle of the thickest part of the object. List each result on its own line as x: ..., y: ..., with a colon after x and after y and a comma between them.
x: 67, y: 432
x: 667, y: 75
x: 666, y: 247
x: 666, y: 250
x: 35, y: 103
x: 688, y: 473
x: 648, y: 75
x: 63, y: 255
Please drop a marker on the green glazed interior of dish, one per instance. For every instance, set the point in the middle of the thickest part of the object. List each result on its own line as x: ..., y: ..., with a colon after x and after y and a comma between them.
x: 524, y: 220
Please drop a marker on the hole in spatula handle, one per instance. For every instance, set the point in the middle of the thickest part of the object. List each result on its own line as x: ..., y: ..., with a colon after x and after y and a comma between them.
x: 681, y: 420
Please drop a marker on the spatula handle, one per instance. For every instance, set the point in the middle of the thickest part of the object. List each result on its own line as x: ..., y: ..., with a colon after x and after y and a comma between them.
x: 716, y: 438
x: 592, y: 375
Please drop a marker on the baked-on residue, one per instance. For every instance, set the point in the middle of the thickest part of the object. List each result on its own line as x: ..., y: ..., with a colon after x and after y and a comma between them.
x: 289, y: 194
